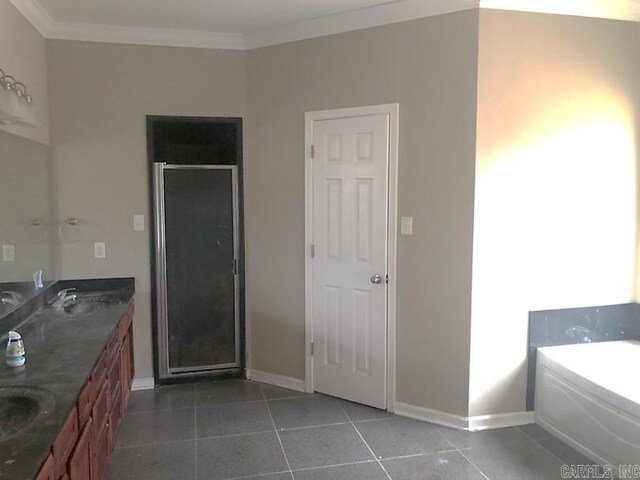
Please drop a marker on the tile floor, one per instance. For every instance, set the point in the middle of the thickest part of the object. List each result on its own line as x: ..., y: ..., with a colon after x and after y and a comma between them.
x: 236, y: 429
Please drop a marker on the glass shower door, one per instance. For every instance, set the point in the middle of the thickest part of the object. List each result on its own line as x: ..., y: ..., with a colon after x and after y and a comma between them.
x: 197, y: 279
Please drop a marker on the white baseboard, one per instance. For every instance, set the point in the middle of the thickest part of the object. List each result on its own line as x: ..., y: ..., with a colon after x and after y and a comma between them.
x: 143, y: 384
x: 482, y: 422
x: 500, y: 420
x: 277, y: 380
x: 431, y: 416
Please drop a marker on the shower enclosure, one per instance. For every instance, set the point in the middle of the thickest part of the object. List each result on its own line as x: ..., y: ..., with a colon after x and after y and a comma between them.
x: 197, y: 280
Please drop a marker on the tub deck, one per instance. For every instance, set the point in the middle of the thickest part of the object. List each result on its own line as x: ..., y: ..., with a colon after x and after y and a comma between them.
x: 588, y: 395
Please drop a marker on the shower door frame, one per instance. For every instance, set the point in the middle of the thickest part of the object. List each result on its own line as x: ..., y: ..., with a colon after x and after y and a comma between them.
x: 161, y: 270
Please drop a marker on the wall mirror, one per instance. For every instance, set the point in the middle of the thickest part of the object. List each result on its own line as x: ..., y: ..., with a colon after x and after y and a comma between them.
x: 26, y: 239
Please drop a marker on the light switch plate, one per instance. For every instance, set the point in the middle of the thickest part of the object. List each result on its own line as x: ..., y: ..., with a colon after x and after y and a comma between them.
x: 138, y: 223
x: 99, y: 250
x: 406, y: 225
x: 8, y: 253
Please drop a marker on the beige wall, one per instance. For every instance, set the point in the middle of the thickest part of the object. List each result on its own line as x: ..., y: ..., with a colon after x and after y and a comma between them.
x: 555, y: 215
x: 23, y: 56
x: 25, y: 195
x: 429, y: 67
x: 100, y: 94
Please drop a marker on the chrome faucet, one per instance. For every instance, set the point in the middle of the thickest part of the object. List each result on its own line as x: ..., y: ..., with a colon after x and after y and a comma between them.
x: 63, y: 297
x: 10, y: 297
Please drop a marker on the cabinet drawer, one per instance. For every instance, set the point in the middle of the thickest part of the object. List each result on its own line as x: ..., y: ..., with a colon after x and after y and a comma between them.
x: 99, y: 372
x: 100, y: 410
x: 125, y: 322
x: 113, y: 347
x: 114, y: 381
x: 47, y: 470
x: 85, y: 401
x: 65, y: 441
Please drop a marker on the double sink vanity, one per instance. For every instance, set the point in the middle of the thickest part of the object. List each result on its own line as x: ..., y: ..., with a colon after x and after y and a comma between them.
x: 60, y: 412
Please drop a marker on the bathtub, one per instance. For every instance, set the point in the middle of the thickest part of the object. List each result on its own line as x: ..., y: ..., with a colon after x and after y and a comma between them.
x: 588, y: 395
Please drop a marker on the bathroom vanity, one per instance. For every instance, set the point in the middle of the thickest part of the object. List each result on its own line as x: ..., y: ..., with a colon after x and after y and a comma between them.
x: 77, y: 380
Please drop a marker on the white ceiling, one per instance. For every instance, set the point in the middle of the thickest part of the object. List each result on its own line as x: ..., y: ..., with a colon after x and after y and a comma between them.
x: 244, y: 24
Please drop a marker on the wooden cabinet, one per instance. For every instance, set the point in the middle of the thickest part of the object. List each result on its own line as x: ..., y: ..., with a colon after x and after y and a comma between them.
x: 79, y: 467
x: 47, y: 470
x: 82, y: 448
x: 65, y: 441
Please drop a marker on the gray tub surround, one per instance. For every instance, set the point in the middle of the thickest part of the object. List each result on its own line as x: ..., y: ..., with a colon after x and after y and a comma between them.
x: 61, y: 350
x: 569, y: 326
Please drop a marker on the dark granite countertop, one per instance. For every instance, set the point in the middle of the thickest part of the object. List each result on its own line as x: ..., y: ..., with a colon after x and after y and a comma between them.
x: 61, y: 351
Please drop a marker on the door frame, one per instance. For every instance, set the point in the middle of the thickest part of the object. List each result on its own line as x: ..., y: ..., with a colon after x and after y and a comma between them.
x: 161, y: 271
x: 391, y: 109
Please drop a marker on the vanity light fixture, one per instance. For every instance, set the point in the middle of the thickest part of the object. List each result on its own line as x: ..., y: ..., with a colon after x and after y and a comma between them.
x: 16, y: 104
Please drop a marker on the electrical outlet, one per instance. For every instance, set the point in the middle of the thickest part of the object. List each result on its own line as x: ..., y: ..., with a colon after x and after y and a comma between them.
x: 8, y: 253
x: 138, y: 223
x: 406, y: 225
x: 99, y: 250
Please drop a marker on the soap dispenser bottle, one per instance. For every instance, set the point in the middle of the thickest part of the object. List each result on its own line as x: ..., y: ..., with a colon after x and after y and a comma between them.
x: 15, y: 350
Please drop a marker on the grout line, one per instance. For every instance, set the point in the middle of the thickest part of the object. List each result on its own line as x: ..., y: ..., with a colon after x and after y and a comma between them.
x: 365, y: 442
x: 158, y: 410
x: 553, y: 454
x: 293, y: 397
x: 236, y: 434
x: 473, y: 464
x: 359, y: 462
x: 286, y: 459
x: 126, y: 447
x: 195, y: 431
x: 283, y: 429
x: 260, y: 475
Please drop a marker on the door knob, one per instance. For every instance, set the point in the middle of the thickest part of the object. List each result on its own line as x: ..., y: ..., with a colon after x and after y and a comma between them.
x: 377, y: 278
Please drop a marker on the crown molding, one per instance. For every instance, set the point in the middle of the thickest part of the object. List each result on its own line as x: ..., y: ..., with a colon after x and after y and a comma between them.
x: 387, y: 13
x: 38, y: 16
x: 627, y: 10
x: 148, y: 36
x: 362, y: 18
x: 51, y: 29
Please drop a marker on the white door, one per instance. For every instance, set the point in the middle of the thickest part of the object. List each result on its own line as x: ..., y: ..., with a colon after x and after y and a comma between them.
x: 350, y: 202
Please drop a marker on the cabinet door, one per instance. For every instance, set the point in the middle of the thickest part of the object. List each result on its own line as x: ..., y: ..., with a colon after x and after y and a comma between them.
x: 47, y: 470
x: 79, y: 467
x: 66, y: 439
x: 100, y: 454
x: 132, y: 369
x: 125, y: 375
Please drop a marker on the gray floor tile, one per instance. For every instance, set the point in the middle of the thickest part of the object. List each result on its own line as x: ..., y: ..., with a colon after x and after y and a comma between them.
x: 323, y: 446
x: 306, y: 412
x: 435, y: 466
x: 498, y: 436
x: 233, y: 418
x: 227, y: 391
x: 534, y: 431
x: 164, y: 398
x: 397, y: 436
x: 355, y: 471
x: 158, y: 426
x: 563, y: 451
x: 357, y: 412
x: 167, y: 461
x: 272, y: 392
x: 515, y: 461
x: 238, y: 456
